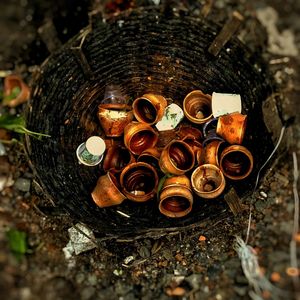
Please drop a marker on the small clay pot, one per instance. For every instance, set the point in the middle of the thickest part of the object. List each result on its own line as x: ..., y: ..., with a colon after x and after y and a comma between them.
x: 208, y: 181
x: 175, y: 201
x: 10, y: 83
x: 114, y: 118
x: 211, y: 153
x: 150, y: 156
x: 107, y: 191
x: 117, y: 158
x: 149, y: 108
x: 139, y: 136
x: 139, y: 181
x: 177, y: 158
x: 236, y: 162
x: 197, y: 107
x: 232, y: 127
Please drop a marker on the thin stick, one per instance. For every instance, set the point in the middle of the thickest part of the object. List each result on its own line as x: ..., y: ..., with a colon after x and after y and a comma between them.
x: 258, y: 178
x: 293, y: 246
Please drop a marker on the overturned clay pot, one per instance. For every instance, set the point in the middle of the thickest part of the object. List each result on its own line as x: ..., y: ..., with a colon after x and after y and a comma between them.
x: 107, y: 192
x: 139, y: 136
x: 117, y: 158
x: 208, y: 182
x: 11, y: 83
x: 236, y: 162
x: 149, y: 108
x: 197, y: 107
x: 139, y: 181
x: 177, y: 158
x: 232, y: 128
x: 114, y: 118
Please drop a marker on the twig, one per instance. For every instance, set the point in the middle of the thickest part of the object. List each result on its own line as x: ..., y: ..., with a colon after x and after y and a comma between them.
x: 293, y: 246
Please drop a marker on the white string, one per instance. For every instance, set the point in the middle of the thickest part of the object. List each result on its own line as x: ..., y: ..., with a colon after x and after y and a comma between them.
x: 258, y: 177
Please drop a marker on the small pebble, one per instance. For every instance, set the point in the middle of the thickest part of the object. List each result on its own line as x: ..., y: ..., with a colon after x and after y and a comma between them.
x: 2, y: 150
x: 292, y: 272
x: 202, y: 238
x: 263, y: 194
x: 275, y: 277
x: 177, y: 292
x: 23, y: 184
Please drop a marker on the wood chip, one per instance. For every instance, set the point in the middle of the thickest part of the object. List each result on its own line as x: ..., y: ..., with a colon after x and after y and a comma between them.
x: 229, y: 29
x: 234, y: 202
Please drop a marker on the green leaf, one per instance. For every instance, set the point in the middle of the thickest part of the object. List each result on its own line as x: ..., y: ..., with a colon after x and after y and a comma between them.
x: 161, y: 183
x: 17, y: 124
x: 17, y: 241
x: 14, y: 93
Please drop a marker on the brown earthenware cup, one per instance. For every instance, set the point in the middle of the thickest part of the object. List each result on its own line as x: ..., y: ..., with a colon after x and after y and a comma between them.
x: 211, y: 153
x: 107, y: 192
x: 175, y: 200
x: 117, y: 158
x: 139, y: 136
x: 208, y: 181
x: 10, y: 83
x: 232, y: 128
x: 149, y: 108
x: 150, y: 156
x: 177, y: 158
x: 236, y: 162
x: 114, y: 117
x: 197, y: 107
x: 139, y: 181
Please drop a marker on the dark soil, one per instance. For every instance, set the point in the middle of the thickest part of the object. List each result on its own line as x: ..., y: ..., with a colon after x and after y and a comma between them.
x: 198, y: 263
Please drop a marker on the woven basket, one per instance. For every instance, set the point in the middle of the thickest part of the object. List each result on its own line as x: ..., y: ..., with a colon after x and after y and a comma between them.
x: 142, y: 51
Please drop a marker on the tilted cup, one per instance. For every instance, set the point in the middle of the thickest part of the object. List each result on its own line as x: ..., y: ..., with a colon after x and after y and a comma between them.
x: 208, y: 181
x: 232, y: 128
x: 107, y: 191
x: 114, y: 118
x: 139, y: 181
x: 149, y: 108
x: 177, y: 158
x: 236, y: 162
x: 139, y: 136
x: 197, y: 107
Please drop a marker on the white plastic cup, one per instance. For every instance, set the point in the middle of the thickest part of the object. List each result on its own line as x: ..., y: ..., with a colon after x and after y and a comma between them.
x: 91, y: 152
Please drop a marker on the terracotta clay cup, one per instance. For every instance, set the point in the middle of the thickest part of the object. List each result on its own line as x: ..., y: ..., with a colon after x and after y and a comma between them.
x: 177, y: 158
x: 189, y: 131
x: 149, y: 108
x: 176, y: 198
x: 117, y: 158
x: 208, y: 181
x: 236, y: 162
x: 150, y: 156
x: 107, y: 191
x: 197, y: 107
x: 11, y: 83
x: 211, y: 153
x: 232, y: 127
x: 114, y: 117
x: 139, y: 136
x: 139, y: 181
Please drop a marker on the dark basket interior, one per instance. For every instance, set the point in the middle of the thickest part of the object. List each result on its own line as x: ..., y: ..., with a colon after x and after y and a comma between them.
x: 129, y: 50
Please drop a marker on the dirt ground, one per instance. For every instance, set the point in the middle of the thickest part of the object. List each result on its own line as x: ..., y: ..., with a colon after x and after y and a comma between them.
x: 198, y: 263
